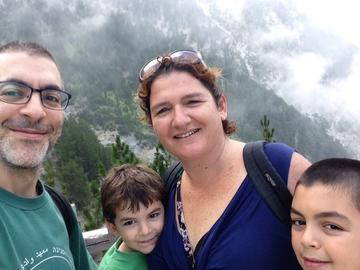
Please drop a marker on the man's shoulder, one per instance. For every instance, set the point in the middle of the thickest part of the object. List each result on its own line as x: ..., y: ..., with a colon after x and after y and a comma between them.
x: 64, y: 207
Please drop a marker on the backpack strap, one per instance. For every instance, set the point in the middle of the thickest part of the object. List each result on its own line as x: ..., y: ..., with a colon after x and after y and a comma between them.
x: 171, y: 174
x: 264, y: 176
x: 267, y: 181
x: 64, y: 206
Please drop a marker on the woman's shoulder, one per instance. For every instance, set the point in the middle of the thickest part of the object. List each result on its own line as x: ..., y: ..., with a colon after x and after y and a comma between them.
x: 289, y: 164
x: 278, y: 149
x: 280, y: 155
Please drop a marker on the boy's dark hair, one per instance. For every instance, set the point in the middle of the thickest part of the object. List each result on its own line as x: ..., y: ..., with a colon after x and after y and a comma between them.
x: 129, y: 186
x: 338, y: 173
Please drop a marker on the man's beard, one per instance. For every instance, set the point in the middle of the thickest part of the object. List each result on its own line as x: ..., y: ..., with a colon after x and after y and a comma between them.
x: 25, y: 154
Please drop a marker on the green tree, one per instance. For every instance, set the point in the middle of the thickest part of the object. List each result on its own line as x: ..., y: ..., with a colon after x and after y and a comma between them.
x: 78, y: 162
x: 79, y: 142
x: 93, y: 213
x: 162, y: 159
x: 122, y: 154
x: 75, y: 183
x: 49, y: 174
x: 101, y: 169
x: 267, y: 131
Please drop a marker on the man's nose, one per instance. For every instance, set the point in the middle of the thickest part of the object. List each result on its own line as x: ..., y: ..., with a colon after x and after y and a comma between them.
x: 34, y: 108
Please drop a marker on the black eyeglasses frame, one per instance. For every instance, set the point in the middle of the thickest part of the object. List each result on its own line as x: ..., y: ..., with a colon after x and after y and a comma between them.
x: 40, y: 91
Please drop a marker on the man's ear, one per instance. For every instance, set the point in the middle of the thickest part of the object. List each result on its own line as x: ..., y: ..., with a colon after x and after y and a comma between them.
x: 112, y: 228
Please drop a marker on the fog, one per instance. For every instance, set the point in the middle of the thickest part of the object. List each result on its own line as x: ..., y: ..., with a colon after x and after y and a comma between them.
x: 306, y: 52
x: 316, y: 58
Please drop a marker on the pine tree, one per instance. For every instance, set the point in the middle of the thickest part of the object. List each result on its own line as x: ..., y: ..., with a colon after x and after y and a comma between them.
x: 267, y: 132
x: 49, y: 174
x: 93, y: 212
x: 75, y: 184
x: 162, y: 159
x: 101, y: 169
x: 122, y: 154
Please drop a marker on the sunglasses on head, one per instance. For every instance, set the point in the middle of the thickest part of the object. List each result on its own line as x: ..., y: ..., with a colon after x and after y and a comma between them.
x: 179, y: 57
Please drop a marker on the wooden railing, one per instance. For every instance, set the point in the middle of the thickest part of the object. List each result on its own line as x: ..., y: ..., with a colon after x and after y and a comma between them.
x: 98, y: 242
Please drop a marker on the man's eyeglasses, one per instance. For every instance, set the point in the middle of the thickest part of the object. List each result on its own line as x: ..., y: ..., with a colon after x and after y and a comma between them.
x: 14, y: 92
x: 181, y: 57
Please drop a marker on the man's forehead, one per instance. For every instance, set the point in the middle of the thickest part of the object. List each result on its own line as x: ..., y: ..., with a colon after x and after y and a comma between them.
x: 29, y: 68
x: 14, y: 57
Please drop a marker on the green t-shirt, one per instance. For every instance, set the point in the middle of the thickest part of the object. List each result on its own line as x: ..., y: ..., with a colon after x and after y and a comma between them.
x: 117, y: 260
x: 33, y: 236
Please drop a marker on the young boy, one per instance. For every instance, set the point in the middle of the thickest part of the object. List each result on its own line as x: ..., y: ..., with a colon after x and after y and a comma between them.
x: 131, y: 198
x: 325, y: 216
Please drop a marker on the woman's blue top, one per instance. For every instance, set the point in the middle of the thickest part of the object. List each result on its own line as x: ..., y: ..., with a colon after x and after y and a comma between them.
x: 246, y: 236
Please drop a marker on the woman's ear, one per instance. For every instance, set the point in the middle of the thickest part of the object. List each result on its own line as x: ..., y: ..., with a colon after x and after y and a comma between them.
x: 223, y: 107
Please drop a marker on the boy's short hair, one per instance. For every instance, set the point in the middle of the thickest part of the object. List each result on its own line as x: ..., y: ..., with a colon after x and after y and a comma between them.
x: 129, y: 186
x: 341, y: 174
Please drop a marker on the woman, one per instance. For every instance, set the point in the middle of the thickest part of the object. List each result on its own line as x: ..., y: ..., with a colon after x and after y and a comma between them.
x: 215, y: 218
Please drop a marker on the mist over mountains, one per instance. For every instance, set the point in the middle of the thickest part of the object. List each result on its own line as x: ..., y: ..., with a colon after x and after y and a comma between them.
x: 101, y: 45
x: 307, y: 64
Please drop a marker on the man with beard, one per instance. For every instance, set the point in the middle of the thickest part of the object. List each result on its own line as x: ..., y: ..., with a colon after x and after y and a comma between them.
x: 33, y: 234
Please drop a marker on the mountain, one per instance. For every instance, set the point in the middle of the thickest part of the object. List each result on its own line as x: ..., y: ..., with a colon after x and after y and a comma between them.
x: 101, y: 46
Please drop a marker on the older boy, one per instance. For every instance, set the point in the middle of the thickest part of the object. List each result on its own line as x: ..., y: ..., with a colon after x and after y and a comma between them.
x: 326, y: 216
x: 131, y: 197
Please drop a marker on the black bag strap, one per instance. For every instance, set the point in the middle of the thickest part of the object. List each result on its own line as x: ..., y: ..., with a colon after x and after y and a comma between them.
x: 267, y: 181
x: 264, y: 176
x: 171, y: 174
x: 64, y: 206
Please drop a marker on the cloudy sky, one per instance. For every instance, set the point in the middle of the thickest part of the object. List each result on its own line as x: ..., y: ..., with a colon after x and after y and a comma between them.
x: 304, y: 86
x: 340, y: 16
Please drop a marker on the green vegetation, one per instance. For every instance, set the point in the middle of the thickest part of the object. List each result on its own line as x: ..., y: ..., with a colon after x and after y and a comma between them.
x: 267, y: 131
x: 162, y: 159
x: 122, y: 154
x: 80, y: 162
x: 100, y: 51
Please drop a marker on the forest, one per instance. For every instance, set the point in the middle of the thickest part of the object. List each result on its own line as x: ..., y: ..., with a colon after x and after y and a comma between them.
x: 100, y: 47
